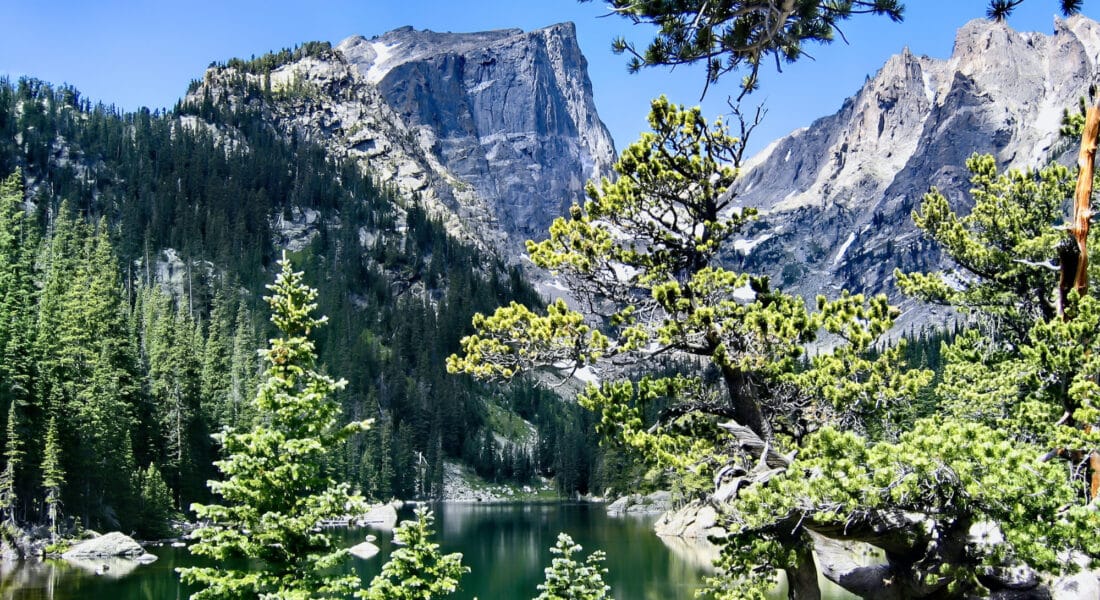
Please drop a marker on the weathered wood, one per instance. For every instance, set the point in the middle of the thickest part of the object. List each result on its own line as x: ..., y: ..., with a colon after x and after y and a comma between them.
x: 750, y: 442
x: 802, y: 576
x: 1074, y: 259
x: 1082, y: 197
x: 1094, y: 474
x: 905, y: 536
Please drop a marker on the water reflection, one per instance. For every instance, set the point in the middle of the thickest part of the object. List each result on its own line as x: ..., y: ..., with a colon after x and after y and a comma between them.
x: 507, y: 546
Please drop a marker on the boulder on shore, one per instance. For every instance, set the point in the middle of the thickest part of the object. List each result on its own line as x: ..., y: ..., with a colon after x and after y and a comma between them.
x: 381, y: 517
x: 650, y: 504
x: 695, y: 520
x: 111, y: 544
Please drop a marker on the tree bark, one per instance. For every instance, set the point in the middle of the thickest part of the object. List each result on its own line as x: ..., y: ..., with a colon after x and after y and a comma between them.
x: 802, y: 576
x: 902, y: 536
x: 1077, y: 270
x: 1082, y: 197
x: 739, y: 386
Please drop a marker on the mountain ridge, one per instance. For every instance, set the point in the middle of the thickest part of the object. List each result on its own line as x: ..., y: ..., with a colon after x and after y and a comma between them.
x: 495, y: 131
x: 835, y: 198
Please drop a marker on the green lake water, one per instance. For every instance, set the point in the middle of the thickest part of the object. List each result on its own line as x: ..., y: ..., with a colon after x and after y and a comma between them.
x: 506, y: 547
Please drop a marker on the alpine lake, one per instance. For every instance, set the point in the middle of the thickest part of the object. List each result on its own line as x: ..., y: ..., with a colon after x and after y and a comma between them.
x: 506, y: 546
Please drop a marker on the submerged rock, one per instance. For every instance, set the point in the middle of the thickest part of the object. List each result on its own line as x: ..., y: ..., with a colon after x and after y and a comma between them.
x: 365, y: 550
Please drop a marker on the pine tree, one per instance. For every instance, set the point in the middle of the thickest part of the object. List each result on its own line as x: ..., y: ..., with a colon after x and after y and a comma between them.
x: 387, y: 473
x: 174, y: 383
x: 567, y: 579
x: 276, y: 490
x: 13, y: 462
x: 53, y: 475
x: 743, y: 34
x: 238, y: 411
x: 156, y: 503
x: 217, y: 367
x: 18, y: 248
x: 416, y: 570
x: 643, y: 258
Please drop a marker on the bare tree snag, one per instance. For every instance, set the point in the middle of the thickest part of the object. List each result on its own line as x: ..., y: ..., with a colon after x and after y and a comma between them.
x: 1073, y: 257
x: 1082, y: 213
x: 1094, y: 475
x: 1082, y: 197
x: 1074, y: 261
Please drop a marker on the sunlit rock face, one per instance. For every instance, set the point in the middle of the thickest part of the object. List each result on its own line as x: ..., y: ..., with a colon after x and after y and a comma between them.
x: 836, y: 198
x: 510, y: 113
x: 495, y: 131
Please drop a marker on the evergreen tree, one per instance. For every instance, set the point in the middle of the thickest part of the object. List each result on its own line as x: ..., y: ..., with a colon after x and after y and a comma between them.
x: 417, y: 570
x: 13, y: 462
x: 174, y: 382
x: 53, y: 474
x: 728, y: 36
x: 746, y: 400
x: 18, y: 248
x: 568, y: 579
x: 155, y: 504
x: 743, y: 34
x: 217, y: 359
x: 276, y: 488
x: 244, y: 370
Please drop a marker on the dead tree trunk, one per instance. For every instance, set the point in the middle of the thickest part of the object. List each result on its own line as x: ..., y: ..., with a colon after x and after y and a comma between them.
x: 1075, y: 260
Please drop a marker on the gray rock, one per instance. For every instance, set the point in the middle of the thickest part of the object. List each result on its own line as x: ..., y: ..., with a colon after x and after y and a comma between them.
x: 111, y: 544
x: 381, y: 517
x: 1082, y: 586
x: 508, y: 112
x: 618, y: 507
x: 836, y: 197
x: 364, y: 550
x: 696, y: 520
x: 650, y: 504
x: 495, y: 131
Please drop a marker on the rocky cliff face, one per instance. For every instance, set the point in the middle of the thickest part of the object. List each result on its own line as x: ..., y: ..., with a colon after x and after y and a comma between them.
x: 496, y: 130
x: 836, y: 197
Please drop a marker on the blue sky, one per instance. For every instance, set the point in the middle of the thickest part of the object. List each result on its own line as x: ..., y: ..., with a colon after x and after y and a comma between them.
x: 133, y: 54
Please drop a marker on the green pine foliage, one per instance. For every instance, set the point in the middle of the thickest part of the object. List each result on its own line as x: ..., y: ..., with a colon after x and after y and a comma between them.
x: 850, y: 444
x: 53, y: 475
x: 91, y: 337
x: 156, y: 506
x: 417, y: 570
x: 13, y: 461
x: 740, y: 36
x: 275, y: 488
x: 746, y: 398
x: 569, y: 579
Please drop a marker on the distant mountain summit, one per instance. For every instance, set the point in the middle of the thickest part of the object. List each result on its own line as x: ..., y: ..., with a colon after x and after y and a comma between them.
x: 836, y: 197
x: 497, y: 130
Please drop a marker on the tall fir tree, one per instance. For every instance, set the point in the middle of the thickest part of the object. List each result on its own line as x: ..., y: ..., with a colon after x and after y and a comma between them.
x: 53, y: 474
x: 13, y: 463
x: 276, y: 488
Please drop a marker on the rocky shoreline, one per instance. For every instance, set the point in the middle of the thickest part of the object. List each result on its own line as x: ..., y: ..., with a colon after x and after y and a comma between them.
x: 692, y: 530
